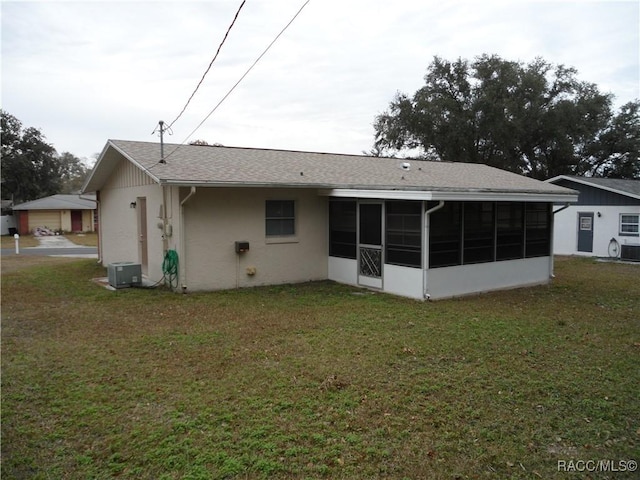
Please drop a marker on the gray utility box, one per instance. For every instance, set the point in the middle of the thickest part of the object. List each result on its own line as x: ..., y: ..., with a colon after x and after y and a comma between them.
x: 124, y: 274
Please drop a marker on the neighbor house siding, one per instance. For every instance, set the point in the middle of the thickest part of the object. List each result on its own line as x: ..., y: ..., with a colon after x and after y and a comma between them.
x: 215, y: 218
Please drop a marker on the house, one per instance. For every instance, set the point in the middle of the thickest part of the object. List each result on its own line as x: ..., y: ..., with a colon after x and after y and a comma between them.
x: 239, y: 217
x: 604, y: 223
x: 68, y: 213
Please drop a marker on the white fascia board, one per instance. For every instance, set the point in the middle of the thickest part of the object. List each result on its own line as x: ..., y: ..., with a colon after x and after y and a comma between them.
x: 387, y: 194
x: 463, y: 196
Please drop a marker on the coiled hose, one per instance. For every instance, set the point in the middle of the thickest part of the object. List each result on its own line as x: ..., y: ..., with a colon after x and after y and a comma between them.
x: 170, y: 269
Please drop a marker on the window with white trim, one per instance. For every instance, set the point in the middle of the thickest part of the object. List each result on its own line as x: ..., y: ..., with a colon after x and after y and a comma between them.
x: 629, y: 224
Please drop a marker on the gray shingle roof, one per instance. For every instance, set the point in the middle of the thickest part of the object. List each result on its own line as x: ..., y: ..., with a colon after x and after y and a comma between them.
x: 216, y: 165
x: 58, y: 202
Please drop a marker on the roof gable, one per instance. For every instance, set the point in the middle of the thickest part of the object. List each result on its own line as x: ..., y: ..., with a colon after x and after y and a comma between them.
x: 198, y: 165
x: 628, y: 188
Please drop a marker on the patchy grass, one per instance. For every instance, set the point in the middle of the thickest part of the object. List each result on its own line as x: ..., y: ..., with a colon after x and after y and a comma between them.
x: 89, y: 239
x: 25, y: 241
x: 312, y: 381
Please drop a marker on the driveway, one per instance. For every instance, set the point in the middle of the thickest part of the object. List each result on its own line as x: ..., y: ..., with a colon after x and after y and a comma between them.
x: 55, y: 246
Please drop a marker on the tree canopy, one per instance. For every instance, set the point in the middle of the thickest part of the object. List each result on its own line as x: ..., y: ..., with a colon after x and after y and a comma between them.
x: 536, y: 119
x: 31, y: 167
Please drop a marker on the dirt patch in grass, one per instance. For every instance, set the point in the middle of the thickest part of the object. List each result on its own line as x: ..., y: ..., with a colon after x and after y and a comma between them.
x: 312, y: 381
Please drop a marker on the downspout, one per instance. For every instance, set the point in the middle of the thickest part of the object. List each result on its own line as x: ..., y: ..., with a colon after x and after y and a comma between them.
x: 183, y: 243
x: 99, y: 210
x: 553, y: 227
x: 425, y: 247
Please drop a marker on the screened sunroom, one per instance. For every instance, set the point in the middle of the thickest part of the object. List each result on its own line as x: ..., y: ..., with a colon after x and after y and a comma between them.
x: 438, y: 249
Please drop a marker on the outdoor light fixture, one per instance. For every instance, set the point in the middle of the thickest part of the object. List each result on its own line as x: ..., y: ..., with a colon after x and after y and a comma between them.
x: 599, y: 214
x: 132, y: 205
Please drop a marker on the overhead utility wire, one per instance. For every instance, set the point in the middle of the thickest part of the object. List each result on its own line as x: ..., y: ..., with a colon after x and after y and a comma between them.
x: 241, y: 78
x: 210, y: 64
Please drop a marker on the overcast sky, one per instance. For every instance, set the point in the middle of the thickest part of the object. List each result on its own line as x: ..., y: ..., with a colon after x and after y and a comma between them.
x: 84, y: 72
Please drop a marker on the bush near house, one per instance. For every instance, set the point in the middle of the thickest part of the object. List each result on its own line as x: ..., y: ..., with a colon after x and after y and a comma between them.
x: 317, y: 380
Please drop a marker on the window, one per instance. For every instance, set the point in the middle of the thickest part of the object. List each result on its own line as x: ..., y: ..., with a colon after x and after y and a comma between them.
x: 585, y: 223
x: 537, y: 230
x: 404, y: 239
x: 479, y: 230
x: 629, y: 224
x: 280, y: 218
x: 445, y: 235
x: 342, y: 229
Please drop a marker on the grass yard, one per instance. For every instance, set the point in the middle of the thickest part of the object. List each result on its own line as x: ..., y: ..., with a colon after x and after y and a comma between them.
x: 318, y: 380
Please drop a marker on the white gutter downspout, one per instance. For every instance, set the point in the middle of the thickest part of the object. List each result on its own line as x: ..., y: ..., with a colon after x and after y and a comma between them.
x: 425, y: 247
x: 553, y: 227
x: 183, y: 243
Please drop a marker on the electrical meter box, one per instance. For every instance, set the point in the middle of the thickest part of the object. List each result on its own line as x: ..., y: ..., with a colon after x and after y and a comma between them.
x: 242, y: 247
x: 124, y: 274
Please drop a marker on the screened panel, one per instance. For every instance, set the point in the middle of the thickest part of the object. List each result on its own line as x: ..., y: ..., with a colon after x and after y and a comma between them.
x: 537, y: 230
x: 403, y: 233
x: 342, y: 229
x: 509, y: 231
x: 445, y: 236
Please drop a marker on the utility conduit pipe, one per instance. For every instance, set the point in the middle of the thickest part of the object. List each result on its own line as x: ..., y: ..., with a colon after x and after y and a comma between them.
x: 183, y: 242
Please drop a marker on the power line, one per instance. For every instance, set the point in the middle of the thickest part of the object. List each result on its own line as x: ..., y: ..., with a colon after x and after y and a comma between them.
x: 241, y: 78
x: 210, y: 64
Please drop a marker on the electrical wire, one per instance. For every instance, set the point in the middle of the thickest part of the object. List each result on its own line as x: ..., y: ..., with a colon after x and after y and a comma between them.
x: 240, y: 80
x: 210, y: 64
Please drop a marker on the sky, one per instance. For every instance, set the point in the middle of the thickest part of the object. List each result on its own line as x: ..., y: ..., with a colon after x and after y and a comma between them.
x: 84, y: 72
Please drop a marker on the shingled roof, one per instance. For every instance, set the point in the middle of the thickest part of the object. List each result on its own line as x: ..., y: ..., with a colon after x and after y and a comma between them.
x: 628, y: 187
x: 59, y: 202
x: 204, y: 165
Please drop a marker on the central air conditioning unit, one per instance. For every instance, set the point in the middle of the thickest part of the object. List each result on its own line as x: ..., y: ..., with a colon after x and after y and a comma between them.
x: 630, y: 252
x: 124, y: 274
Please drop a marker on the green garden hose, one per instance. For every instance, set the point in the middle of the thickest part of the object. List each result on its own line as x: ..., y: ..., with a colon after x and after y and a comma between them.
x: 170, y: 269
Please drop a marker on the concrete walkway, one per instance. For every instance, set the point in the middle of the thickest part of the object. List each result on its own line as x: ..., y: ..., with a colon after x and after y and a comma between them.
x: 55, y: 241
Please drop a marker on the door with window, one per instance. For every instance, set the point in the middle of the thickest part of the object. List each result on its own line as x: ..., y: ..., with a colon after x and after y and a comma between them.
x: 585, y: 232
x: 370, y: 249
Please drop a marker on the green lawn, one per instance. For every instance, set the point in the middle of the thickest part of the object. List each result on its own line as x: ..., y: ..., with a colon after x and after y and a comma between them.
x: 318, y: 380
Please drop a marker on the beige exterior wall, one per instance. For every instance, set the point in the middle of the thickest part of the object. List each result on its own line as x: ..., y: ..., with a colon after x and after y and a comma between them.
x: 119, y: 229
x: 59, y: 220
x: 215, y: 218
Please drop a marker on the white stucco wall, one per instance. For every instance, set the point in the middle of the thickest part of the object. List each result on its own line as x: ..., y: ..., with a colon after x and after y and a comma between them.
x: 483, y: 277
x: 215, y: 218
x: 605, y: 227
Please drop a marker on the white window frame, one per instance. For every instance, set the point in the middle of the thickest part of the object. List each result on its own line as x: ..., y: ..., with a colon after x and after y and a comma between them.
x: 636, y: 224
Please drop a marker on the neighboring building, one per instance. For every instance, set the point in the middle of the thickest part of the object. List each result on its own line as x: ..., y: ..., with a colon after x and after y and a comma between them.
x: 7, y: 222
x: 240, y: 217
x: 66, y: 213
x: 604, y: 223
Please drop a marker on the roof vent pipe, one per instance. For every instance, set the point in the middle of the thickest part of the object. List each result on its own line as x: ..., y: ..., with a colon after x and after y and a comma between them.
x: 406, y: 166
